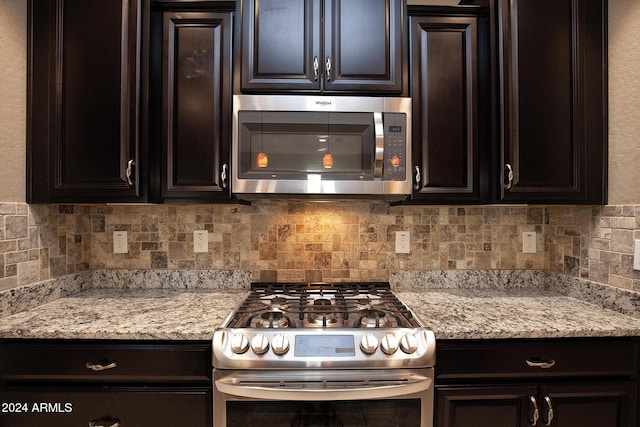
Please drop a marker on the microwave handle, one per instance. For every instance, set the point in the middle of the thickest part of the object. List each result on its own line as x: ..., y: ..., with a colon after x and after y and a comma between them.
x: 379, y: 133
x: 321, y: 393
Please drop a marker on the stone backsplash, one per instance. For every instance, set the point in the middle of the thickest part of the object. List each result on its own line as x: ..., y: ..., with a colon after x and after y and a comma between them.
x: 306, y: 241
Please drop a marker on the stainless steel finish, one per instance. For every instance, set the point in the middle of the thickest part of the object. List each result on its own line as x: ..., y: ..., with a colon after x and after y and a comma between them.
x: 323, y: 385
x: 421, y: 341
x: 313, y: 385
x: 101, y: 365
x: 104, y: 422
x: 541, y: 363
x: 224, y: 176
x: 316, y: 186
x: 547, y: 423
x: 316, y: 66
x: 418, y: 178
x: 328, y: 68
x: 536, y: 412
x: 128, y: 172
x: 379, y: 131
x: 509, y: 183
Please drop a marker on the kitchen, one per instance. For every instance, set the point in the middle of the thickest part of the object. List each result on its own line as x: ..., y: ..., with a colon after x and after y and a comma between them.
x: 300, y: 241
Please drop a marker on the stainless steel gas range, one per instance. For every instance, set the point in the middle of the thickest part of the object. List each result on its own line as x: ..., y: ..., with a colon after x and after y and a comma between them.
x: 344, y: 354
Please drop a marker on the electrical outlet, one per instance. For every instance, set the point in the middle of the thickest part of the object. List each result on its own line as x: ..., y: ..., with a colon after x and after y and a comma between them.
x: 636, y: 255
x: 200, y: 241
x: 120, y: 242
x: 403, y: 242
x: 529, y: 242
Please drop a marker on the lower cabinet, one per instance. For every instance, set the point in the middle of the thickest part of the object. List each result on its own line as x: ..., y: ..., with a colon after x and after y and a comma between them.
x: 561, y: 405
x: 536, y: 383
x: 30, y: 406
x: 60, y: 383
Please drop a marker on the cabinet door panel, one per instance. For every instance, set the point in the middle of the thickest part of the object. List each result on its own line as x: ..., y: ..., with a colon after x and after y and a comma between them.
x: 143, y: 407
x: 504, y: 406
x: 363, y: 42
x: 83, y: 102
x: 196, y: 88
x: 554, y: 99
x: 590, y: 405
x: 280, y: 39
x: 445, y: 138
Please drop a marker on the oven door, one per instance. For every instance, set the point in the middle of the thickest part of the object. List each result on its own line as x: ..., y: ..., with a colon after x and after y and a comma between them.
x: 354, y: 398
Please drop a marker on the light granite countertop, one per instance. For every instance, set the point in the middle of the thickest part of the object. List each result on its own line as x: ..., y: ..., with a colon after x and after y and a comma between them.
x: 146, y: 305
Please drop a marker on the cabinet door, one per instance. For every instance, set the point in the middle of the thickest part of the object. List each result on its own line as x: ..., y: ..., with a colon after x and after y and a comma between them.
x: 363, y: 46
x: 589, y: 405
x: 196, y: 86
x: 553, y: 90
x: 83, y: 101
x: 497, y: 406
x: 141, y: 407
x: 445, y: 137
x: 280, y: 45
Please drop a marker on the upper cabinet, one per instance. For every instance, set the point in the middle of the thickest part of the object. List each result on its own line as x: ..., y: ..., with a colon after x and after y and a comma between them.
x: 83, y: 103
x: 552, y: 100
x: 193, y: 83
x: 314, y: 46
x: 444, y: 71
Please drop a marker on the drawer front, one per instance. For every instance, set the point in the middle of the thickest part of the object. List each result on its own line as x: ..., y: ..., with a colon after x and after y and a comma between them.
x: 536, y: 358
x: 68, y: 407
x: 100, y: 361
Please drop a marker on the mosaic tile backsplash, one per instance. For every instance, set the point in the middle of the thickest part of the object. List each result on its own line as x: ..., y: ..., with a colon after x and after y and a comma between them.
x: 306, y: 241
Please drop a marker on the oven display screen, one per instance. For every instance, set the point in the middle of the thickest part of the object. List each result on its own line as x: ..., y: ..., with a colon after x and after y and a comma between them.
x: 324, y: 346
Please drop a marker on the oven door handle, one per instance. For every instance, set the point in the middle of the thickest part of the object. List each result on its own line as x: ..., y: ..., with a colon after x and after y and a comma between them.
x: 322, y: 391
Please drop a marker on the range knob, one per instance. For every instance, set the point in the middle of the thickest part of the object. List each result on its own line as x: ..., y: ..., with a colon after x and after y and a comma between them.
x: 239, y: 344
x: 369, y: 343
x: 389, y: 344
x: 260, y: 344
x: 408, y: 344
x: 280, y: 344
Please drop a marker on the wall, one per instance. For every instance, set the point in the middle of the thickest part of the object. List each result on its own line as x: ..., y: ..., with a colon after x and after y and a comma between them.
x: 306, y: 241
x: 13, y: 69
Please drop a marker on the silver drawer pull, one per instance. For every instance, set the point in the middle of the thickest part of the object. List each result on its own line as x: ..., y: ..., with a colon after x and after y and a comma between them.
x: 537, y: 362
x: 547, y: 423
x: 104, y: 422
x: 101, y: 365
x: 130, y: 164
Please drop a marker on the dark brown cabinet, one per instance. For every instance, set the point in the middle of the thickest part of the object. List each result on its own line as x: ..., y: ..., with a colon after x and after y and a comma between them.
x: 444, y: 70
x: 322, y: 46
x: 519, y: 383
x: 83, y: 101
x: 196, y: 111
x: 100, y: 383
x: 553, y: 100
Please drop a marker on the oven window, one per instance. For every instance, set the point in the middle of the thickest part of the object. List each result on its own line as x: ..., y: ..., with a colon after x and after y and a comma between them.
x: 295, y: 144
x: 366, y: 413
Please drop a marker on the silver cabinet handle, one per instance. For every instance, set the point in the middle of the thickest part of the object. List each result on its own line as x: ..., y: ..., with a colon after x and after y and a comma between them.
x: 547, y: 423
x: 509, y: 183
x: 328, y: 68
x: 105, y: 422
x: 316, y: 66
x: 418, y: 178
x: 536, y: 414
x: 223, y: 176
x: 130, y: 165
x: 541, y: 363
x: 101, y: 365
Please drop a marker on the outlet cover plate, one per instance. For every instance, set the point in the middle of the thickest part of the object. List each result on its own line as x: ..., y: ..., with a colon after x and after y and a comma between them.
x: 120, y: 242
x: 200, y: 241
x: 403, y: 242
x: 636, y: 255
x: 529, y: 242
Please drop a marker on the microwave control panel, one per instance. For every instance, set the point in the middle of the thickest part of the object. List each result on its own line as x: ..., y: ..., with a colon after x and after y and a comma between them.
x: 395, y: 147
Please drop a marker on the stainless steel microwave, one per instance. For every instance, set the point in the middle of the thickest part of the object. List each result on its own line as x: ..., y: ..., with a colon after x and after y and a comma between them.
x: 321, y: 146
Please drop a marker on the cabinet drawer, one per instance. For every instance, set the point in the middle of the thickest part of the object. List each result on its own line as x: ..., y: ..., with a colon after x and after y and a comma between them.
x: 100, y: 361
x: 140, y: 407
x: 536, y: 358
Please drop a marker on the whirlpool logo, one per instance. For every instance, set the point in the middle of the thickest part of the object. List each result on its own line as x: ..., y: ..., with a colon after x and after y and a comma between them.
x: 323, y: 103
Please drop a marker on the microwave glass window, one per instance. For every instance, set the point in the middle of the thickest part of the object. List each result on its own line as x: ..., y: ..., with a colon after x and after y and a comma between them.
x: 294, y: 144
